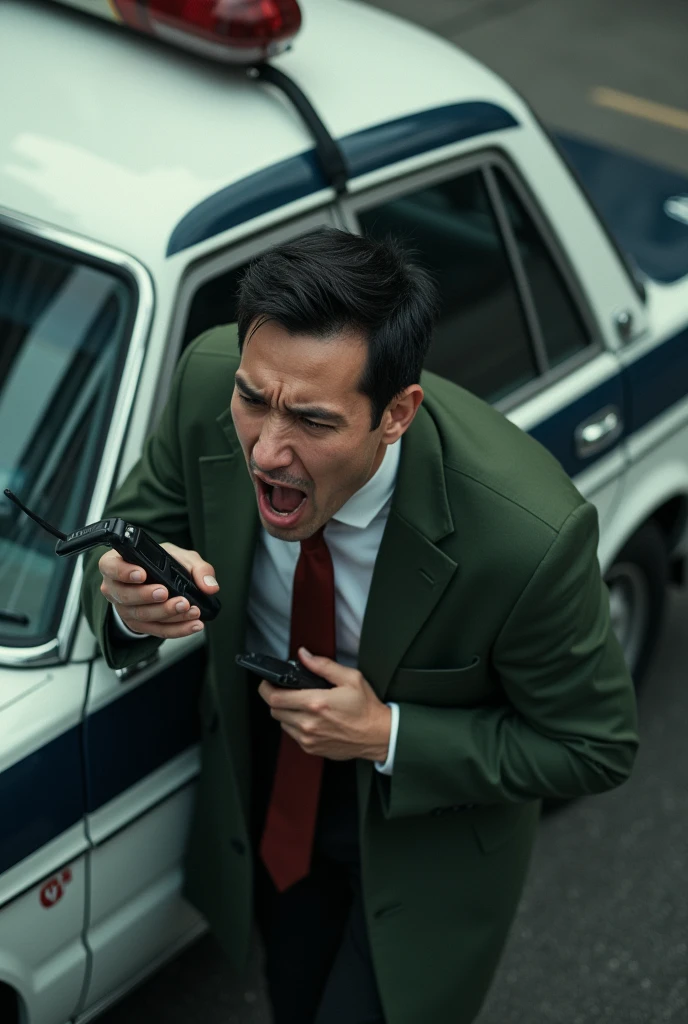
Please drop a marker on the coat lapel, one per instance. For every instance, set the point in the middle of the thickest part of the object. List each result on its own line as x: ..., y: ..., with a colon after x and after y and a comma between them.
x: 411, y: 573
x: 231, y: 523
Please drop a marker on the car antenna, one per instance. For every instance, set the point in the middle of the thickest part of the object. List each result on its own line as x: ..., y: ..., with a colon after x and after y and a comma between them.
x: 32, y: 515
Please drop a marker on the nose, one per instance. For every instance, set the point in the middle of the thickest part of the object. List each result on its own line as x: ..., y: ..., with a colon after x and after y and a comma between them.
x: 271, y: 451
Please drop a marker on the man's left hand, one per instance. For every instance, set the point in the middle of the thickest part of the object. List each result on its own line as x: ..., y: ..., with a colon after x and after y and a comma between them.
x: 345, y: 722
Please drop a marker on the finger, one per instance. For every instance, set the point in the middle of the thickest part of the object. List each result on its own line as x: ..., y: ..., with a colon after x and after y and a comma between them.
x: 174, y: 610
x: 286, y: 698
x: 276, y: 696
x: 291, y: 731
x: 203, y: 572
x: 172, y: 631
x: 295, y: 734
x: 295, y: 719
x: 204, y: 578
x: 332, y: 671
x: 305, y: 742
x: 265, y: 690
x: 134, y: 594
x: 112, y: 566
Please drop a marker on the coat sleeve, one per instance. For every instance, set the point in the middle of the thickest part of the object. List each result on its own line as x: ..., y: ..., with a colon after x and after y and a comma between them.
x: 568, y: 725
x: 152, y: 496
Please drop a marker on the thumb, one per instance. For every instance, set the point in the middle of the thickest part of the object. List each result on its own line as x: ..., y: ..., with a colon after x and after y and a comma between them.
x: 330, y: 670
x: 204, y: 576
x: 203, y: 572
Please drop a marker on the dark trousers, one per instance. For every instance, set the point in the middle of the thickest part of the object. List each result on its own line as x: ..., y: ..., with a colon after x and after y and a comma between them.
x: 317, y: 956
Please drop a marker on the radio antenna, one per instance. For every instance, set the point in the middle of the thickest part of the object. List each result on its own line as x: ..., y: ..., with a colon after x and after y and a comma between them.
x: 32, y: 515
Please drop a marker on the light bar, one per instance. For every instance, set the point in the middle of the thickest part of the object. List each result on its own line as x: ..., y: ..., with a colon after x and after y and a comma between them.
x: 233, y: 31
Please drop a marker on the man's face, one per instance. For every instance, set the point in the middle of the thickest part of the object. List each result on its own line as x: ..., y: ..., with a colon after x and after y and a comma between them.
x: 303, y: 426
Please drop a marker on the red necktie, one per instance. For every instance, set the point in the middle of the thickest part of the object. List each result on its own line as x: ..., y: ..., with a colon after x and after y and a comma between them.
x: 287, y: 839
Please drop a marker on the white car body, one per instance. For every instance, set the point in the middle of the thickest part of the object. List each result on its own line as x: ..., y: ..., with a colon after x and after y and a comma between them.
x: 170, y: 169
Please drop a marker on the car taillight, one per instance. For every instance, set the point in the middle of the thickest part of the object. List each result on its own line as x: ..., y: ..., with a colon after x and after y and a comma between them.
x: 239, y: 31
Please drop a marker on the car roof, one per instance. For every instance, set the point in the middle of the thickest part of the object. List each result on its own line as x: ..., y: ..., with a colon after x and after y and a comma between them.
x: 120, y: 138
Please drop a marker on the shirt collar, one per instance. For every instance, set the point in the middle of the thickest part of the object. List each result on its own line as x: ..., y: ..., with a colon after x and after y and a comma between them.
x: 368, y: 501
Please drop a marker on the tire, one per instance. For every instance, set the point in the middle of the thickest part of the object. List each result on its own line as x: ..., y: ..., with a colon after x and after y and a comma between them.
x: 9, y: 1011
x: 637, y: 584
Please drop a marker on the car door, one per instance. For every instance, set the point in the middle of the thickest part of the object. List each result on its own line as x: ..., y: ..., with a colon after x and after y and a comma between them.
x: 514, y: 327
x: 65, y: 321
x: 142, y: 728
x: 43, y: 844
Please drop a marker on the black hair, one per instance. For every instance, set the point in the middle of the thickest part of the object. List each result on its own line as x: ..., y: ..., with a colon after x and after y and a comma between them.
x: 330, y: 281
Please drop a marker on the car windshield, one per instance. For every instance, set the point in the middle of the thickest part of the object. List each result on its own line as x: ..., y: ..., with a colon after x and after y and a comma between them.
x: 64, y: 324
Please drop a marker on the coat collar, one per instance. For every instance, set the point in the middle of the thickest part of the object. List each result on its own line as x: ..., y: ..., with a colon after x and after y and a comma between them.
x: 420, y: 496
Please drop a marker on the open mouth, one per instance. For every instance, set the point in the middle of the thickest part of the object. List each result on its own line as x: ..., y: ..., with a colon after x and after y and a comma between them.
x: 280, y: 504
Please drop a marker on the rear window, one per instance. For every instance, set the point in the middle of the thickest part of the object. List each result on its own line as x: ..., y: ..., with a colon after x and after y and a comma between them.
x: 64, y: 324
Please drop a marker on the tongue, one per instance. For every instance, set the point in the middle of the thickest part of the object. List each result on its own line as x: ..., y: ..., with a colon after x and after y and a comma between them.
x: 285, y: 499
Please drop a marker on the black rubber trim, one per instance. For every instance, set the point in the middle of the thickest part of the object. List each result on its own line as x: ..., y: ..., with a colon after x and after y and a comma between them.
x: 327, y: 150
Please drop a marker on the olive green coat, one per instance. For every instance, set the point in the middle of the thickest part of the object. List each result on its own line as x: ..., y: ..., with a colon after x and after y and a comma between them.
x: 487, y: 621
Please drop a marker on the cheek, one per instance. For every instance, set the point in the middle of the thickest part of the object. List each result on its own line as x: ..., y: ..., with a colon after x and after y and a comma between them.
x: 338, y: 464
x: 321, y: 458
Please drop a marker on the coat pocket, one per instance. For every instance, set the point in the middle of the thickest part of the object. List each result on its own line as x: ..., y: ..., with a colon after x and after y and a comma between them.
x: 441, y: 687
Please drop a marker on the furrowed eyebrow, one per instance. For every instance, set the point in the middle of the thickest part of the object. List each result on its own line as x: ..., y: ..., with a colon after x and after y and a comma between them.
x: 246, y: 389
x: 310, y: 412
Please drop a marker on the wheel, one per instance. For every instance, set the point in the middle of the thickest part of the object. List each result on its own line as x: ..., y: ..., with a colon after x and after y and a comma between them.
x: 637, y: 584
x: 9, y: 1010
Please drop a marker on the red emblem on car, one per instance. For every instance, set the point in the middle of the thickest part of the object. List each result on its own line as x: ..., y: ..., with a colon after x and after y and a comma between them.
x: 51, y: 893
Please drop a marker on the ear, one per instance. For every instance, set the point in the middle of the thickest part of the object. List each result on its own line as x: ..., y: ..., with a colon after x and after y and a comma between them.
x: 399, y: 414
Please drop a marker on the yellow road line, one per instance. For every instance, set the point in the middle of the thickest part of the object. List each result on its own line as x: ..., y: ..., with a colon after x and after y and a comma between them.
x: 672, y: 117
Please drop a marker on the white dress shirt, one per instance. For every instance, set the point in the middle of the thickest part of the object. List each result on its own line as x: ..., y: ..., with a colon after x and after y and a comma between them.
x: 353, y: 537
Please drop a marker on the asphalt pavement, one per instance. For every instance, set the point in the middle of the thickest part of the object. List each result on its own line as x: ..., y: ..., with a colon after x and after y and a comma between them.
x: 601, y: 936
x: 561, y: 54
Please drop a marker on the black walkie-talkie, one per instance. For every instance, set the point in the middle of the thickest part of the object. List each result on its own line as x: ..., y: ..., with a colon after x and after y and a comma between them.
x: 136, y: 547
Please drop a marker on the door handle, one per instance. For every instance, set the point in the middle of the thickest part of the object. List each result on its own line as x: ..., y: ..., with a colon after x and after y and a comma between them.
x: 598, y: 432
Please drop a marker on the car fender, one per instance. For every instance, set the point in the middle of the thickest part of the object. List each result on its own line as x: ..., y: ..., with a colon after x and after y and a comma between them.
x: 646, y: 490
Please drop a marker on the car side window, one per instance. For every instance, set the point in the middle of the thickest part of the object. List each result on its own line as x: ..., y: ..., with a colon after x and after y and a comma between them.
x: 215, y: 302
x: 562, y: 327
x: 481, y: 340
x: 64, y: 328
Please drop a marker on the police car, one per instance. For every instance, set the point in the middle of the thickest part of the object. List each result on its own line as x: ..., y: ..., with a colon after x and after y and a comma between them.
x: 142, y: 164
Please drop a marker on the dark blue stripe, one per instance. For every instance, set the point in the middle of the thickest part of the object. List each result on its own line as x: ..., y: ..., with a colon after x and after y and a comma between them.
x: 388, y: 143
x: 142, y: 730
x: 364, y: 151
x: 657, y: 381
x: 265, y: 190
x: 40, y: 797
x: 647, y: 388
x: 46, y: 793
x: 557, y: 432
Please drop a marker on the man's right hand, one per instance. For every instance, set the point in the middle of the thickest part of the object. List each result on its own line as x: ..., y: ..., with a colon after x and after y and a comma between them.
x: 147, y: 607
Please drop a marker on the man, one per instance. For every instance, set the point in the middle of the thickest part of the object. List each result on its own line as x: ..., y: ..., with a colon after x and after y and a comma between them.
x: 430, y: 561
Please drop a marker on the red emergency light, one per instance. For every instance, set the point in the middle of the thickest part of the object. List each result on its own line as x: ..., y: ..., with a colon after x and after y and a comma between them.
x: 237, y: 31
